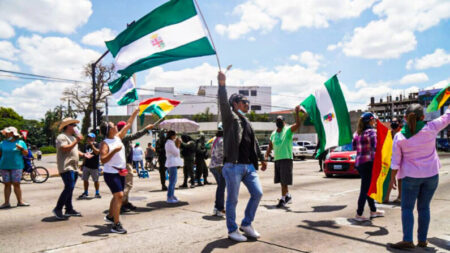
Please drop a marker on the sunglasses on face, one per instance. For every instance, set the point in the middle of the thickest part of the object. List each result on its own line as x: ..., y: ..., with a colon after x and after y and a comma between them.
x: 74, y: 125
x: 245, y: 102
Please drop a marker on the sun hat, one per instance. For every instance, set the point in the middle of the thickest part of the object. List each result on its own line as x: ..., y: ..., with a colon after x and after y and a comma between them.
x: 67, y: 121
x: 11, y: 129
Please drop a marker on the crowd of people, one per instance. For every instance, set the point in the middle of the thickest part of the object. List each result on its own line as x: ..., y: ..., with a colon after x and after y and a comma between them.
x: 235, y: 158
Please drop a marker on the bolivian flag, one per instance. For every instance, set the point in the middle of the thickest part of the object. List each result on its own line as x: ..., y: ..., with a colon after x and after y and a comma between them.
x: 381, y: 170
x: 439, y: 100
x: 158, y: 106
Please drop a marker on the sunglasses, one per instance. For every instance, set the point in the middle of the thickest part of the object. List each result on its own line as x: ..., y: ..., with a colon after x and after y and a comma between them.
x: 245, y: 102
x: 74, y: 125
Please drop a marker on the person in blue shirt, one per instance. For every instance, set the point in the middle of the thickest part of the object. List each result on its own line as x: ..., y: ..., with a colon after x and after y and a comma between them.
x: 11, y: 164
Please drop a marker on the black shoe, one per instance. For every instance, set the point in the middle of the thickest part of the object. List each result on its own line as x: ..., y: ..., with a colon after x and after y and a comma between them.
x: 125, y: 209
x: 131, y: 206
x: 83, y: 196
x: 109, y: 220
x: 200, y: 184
x: 192, y: 185
x: 164, y: 188
x: 206, y: 182
x: 117, y: 228
x: 281, y: 204
x: 72, y: 213
x: 98, y: 196
x: 288, y: 199
x: 59, y: 215
x: 183, y: 186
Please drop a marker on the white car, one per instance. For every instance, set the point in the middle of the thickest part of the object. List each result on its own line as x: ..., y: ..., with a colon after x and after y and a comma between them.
x: 264, y: 149
x: 299, y: 152
x: 310, y: 149
x: 303, y: 143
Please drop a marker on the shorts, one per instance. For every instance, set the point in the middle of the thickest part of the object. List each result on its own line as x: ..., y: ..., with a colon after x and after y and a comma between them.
x: 11, y: 176
x: 94, y: 173
x: 114, y: 181
x: 283, y: 171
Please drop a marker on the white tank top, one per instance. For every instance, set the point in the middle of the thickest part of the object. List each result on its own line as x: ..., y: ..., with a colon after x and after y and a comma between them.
x: 118, y: 160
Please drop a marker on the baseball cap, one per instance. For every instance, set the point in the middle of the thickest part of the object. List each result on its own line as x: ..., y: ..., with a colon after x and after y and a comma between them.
x: 121, y: 124
x: 280, y: 118
x: 92, y: 135
x: 367, y: 116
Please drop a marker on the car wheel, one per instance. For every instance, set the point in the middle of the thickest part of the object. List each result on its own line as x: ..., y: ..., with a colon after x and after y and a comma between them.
x: 302, y: 158
x: 328, y: 175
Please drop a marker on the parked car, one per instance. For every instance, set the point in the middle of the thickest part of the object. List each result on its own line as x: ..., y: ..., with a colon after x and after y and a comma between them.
x: 299, y: 152
x: 310, y: 149
x: 340, y: 161
x: 443, y: 145
x: 303, y: 143
x: 264, y: 150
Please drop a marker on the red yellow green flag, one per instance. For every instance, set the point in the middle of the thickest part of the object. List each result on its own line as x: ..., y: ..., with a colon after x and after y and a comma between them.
x: 158, y: 106
x: 439, y: 100
x: 381, y: 170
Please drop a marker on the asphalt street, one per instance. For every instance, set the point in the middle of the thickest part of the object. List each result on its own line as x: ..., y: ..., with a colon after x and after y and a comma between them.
x: 318, y: 220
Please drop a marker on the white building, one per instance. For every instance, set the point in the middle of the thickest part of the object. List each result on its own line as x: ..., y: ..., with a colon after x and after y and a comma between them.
x: 206, y: 97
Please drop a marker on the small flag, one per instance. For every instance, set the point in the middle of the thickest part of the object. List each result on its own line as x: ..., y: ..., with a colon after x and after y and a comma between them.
x: 126, y: 94
x: 24, y: 134
x: 327, y: 110
x: 439, y: 100
x: 171, y: 32
x: 158, y: 106
x: 382, y: 164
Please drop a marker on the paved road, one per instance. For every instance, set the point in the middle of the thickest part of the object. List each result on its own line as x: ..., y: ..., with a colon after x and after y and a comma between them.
x: 318, y: 220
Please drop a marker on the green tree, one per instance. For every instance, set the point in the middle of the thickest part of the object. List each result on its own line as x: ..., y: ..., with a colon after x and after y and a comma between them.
x: 9, y: 117
x: 252, y: 116
x: 203, y: 116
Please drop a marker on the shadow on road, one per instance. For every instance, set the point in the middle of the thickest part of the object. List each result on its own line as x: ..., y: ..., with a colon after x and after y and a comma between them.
x: 316, y: 209
x: 213, y: 218
x: 163, y: 204
x: 441, y: 243
x: 52, y: 219
x: 223, y: 243
x: 322, y: 223
x: 417, y: 249
x: 100, y: 231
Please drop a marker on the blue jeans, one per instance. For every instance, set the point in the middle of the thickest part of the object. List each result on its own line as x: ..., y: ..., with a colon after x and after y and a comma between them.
x: 172, y: 181
x: 65, y: 199
x: 421, y: 189
x: 136, y: 166
x: 220, y: 191
x: 234, y: 174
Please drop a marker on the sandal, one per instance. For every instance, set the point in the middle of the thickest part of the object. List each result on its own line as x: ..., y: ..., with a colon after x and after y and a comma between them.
x: 23, y: 204
x: 4, y: 206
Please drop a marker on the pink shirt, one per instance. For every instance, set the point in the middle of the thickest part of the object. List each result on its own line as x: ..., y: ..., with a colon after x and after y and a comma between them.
x: 417, y: 157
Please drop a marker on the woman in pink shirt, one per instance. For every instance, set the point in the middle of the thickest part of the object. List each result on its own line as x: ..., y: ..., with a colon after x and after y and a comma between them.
x: 416, y: 162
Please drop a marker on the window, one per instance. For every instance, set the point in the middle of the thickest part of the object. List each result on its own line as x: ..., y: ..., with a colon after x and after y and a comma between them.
x: 254, y: 93
x: 255, y: 108
x: 243, y: 92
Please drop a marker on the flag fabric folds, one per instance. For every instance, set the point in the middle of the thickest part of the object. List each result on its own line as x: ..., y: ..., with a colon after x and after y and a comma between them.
x: 439, y: 100
x: 171, y: 32
x: 327, y: 110
x: 381, y: 164
x: 126, y: 94
x: 158, y: 106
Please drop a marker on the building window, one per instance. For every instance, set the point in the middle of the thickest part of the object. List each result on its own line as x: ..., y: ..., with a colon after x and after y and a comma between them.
x: 255, y: 108
x: 254, y: 93
x: 243, y: 92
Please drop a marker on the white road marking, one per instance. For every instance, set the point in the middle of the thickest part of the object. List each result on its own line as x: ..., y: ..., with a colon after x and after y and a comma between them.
x: 343, y: 193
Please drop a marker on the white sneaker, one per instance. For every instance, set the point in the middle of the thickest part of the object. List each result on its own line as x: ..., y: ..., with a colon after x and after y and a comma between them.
x: 250, y: 231
x: 218, y: 213
x: 236, y: 236
x: 172, y: 200
x: 361, y: 218
x: 378, y: 213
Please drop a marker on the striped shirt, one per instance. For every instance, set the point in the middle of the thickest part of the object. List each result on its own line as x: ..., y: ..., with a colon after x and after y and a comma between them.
x: 365, y: 146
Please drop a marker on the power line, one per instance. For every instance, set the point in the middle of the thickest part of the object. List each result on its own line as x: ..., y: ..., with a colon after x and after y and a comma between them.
x: 24, y: 75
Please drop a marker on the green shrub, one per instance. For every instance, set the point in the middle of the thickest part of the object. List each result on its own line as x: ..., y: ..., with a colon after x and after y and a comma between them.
x: 48, y: 149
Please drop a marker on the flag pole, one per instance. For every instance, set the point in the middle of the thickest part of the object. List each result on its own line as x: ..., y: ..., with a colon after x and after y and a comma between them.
x: 209, y: 33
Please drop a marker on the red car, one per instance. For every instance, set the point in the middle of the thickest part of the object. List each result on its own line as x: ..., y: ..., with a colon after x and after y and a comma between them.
x: 340, y: 161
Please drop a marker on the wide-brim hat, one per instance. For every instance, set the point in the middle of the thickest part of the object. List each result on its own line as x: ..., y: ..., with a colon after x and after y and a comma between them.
x: 13, y: 130
x: 67, y: 121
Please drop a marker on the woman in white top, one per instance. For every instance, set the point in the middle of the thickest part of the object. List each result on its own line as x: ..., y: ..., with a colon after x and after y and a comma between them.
x: 173, y: 161
x: 112, y: 155
x: 138, y: 158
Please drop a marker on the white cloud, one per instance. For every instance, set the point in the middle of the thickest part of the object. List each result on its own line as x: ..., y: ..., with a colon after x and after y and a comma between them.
x: 252, y: 39
x: 6, y: 30
x: 55, y: 56
x: 34, y: 99
x: 333, y: 47
x: 46, y: 15
x: 99, y: 37
x: 7, y: 50
x: 393, y: 34
x: 263, y: 15
x: 414, y: 78
x: 434, y: 60
x: 309, y: 59
x: 360, y: 84
x: 439, y: 85
x: 6, y: 65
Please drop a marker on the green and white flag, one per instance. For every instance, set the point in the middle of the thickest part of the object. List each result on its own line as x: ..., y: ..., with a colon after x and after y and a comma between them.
x: 171, y: 32
x: 125, y: 94
x: 328, y: 111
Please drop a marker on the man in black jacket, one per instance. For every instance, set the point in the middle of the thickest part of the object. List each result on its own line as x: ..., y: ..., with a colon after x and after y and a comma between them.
x: 126, y: 205
x: 161, y: 153
x: 188, y: 149
x: 241, y: 153
x: 200, y: 157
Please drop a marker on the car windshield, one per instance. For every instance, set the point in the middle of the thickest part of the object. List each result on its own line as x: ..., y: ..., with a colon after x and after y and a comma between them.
x: 344, y: 148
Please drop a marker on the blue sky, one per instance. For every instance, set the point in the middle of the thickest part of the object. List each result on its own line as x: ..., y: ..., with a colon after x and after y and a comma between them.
x: 381, y: 46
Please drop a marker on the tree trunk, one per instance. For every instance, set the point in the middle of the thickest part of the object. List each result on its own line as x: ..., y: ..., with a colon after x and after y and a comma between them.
x: 86, y: 121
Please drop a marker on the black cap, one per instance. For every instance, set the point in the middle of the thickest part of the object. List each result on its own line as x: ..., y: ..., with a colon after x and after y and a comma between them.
x: 416, y: 109
x: 235, y: 98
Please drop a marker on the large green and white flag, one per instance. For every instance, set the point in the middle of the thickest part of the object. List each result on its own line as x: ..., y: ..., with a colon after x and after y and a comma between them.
x: 171, y: 32
x: 125, y: 94
x: 328, y: 111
